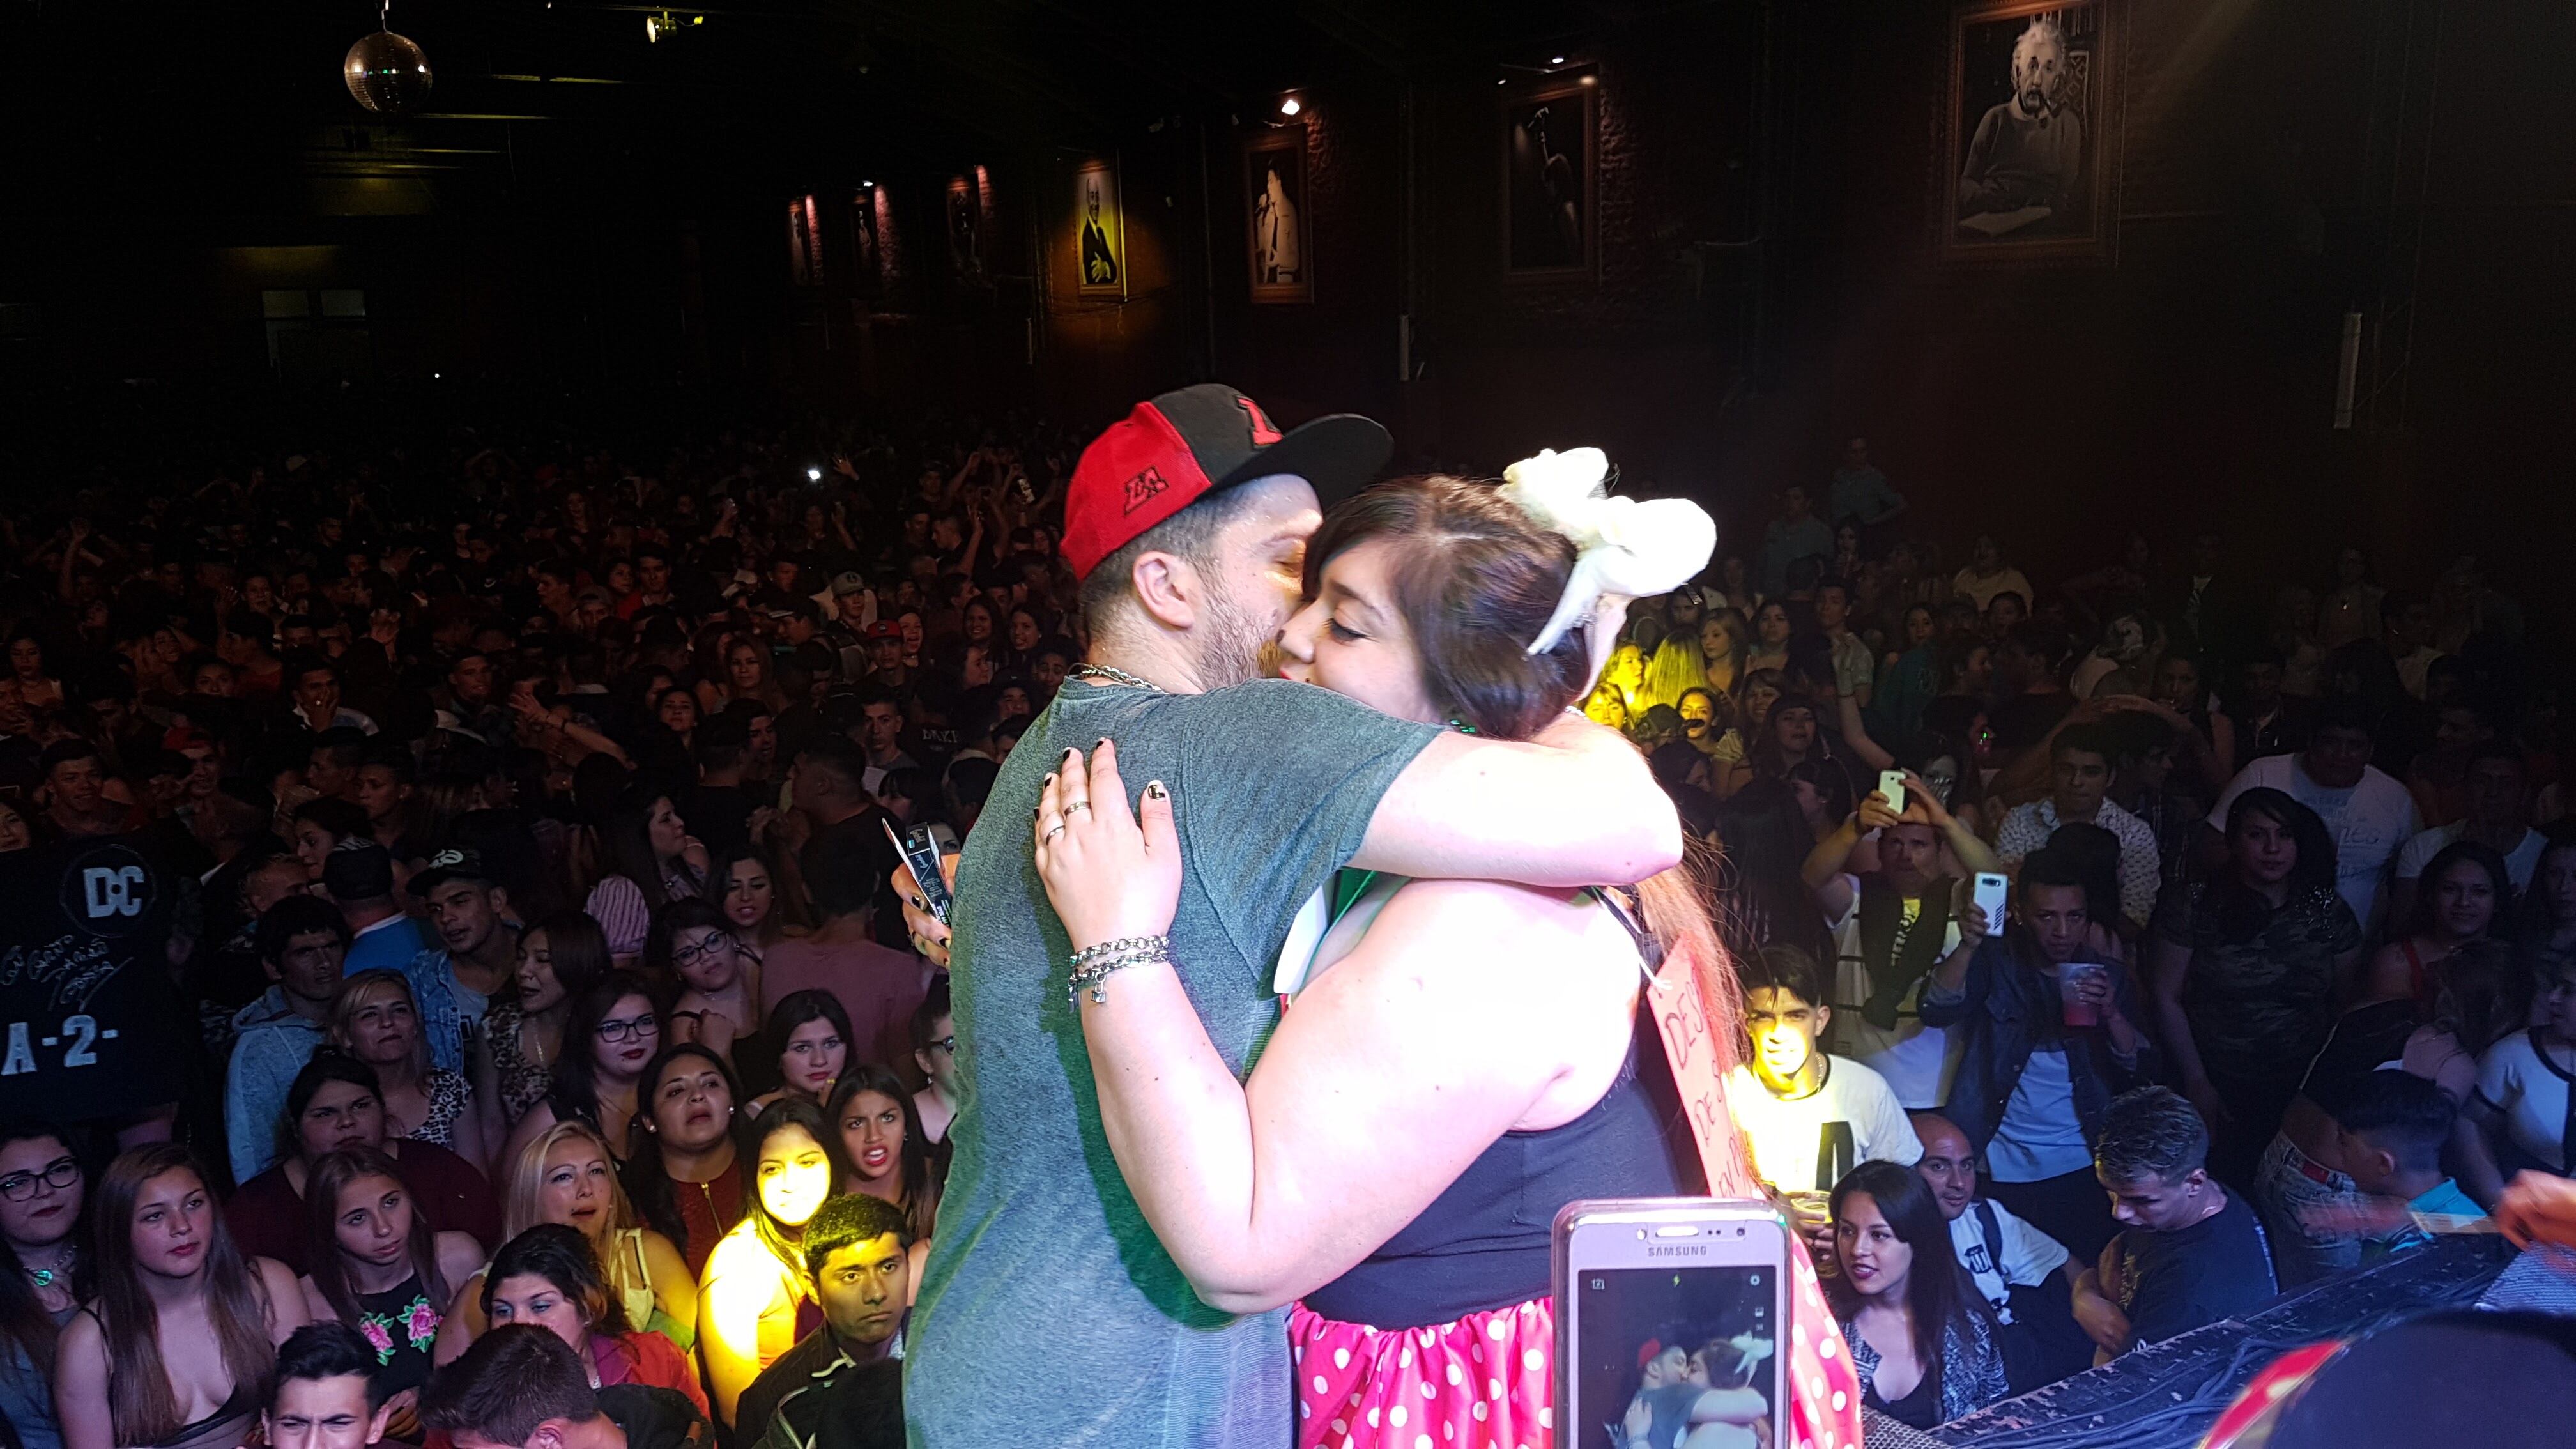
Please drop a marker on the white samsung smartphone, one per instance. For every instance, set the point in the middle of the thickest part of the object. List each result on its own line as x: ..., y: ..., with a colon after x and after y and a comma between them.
x: 1891, y: 783
x: 1670, y: 1312
x: 1990, y: 899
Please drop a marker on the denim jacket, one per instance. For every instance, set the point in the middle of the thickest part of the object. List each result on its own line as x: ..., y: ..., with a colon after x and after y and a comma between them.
x: 1996, y: 1013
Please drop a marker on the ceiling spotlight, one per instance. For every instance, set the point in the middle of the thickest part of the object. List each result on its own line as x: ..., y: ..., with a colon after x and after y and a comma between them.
x: 1290, y: 106
x: 814, y: 475
x: 1556, y: 60
x: 657, y: 26
x: 867, y: 186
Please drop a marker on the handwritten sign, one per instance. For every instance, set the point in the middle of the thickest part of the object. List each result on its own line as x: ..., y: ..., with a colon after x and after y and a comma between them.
x: 89, y: 1022
x: 1691, y: 1048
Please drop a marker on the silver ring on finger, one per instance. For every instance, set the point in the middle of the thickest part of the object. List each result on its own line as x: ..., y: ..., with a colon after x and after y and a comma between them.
x: 1053, y: 831
x: 1077, y: 805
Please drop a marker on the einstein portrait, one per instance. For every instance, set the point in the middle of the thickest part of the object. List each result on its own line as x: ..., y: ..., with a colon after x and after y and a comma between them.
x: 2029, y: 113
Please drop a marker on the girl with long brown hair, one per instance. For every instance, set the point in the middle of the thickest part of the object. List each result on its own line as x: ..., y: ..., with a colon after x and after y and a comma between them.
x: 176, y: 1350
x: 1459, y: 1058
x: 378, y: 1267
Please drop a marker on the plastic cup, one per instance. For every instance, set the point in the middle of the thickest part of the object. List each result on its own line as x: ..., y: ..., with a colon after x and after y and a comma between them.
x: 2078, y: 1012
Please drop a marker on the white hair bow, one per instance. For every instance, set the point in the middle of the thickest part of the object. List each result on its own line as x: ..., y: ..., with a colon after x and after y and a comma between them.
x: 1622, y: 546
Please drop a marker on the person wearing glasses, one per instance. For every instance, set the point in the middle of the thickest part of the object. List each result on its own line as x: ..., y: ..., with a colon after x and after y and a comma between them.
x: 609, y: 1038
x: 934, y: 1050
x: 45, y: 1276
x: 693, y: 940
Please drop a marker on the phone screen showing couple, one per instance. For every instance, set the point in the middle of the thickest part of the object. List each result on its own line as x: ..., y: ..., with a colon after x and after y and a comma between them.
x: 1688, y: 1355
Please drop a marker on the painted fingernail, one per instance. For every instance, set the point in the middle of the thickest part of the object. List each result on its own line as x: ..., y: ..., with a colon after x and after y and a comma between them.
x: 1050, y: 779
x: 1154, y: 790
x: 1070, y: 755
x: 1096, y: 744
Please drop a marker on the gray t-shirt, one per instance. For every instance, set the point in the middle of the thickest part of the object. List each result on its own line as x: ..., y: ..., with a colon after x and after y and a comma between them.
x: 1049, y: 1313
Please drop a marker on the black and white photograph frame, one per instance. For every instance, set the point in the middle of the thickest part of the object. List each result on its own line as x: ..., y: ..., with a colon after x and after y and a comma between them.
x: 1278, y: 220
x: 2028, y: 164
x: 1551, y: 155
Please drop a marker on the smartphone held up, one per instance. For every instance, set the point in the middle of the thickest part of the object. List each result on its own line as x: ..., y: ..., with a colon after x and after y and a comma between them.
x: 1670, y: 1313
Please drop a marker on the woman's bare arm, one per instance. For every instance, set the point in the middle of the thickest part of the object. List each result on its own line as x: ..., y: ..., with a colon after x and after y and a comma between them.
x: 1384, y: 1081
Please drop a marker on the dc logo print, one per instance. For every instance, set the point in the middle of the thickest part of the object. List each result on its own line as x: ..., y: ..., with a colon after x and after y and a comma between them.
x: 109, y: 891
x: 1144, y: 488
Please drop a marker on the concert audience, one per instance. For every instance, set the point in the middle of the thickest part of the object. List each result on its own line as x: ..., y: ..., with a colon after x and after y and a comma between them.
x: 2189, y: 1251
x: 527, y: 1387
x: 566, y: 1176
x: 1808, y: 1115
x: 550, y: 1276
x: 2049, y: 1036
x: 336, y: 1105
x: 1891, y: 927
x: 428, y: 742
x: 327, y: 1392
x: 46, y: 1272
x: 377, y: 1022
x: 757, y: 1294
x: 303, y: 943
x: 2246, y: 967
x: 177, y: 1346
x: 2024, y: 1273
x: 857, y: 1252
x: 378, y: 1268
x: 1922, y: 1337
x: 688, y: 1173
x: 883, y: 1142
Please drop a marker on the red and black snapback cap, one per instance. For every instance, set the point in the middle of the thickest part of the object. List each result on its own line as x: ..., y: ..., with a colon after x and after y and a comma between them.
x: 1177, y: 449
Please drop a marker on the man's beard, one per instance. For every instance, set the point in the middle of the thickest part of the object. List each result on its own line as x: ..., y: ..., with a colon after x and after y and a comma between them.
x: 1231, y: 649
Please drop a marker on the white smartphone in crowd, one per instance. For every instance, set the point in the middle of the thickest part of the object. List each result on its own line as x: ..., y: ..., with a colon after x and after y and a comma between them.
x: 1891, y: 783
x: 1670, y: 1312
x: 1990, y: 892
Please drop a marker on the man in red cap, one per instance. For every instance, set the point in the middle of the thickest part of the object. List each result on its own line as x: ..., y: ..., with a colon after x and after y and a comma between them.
x: 1187, y: 523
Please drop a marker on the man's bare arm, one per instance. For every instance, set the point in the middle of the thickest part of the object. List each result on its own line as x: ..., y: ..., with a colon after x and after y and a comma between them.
x: 1574, y: 805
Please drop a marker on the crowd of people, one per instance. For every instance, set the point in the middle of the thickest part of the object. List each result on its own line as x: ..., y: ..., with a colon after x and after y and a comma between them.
x: 2290, y: 945
x: 525, y: 845
x: 565, y: 1042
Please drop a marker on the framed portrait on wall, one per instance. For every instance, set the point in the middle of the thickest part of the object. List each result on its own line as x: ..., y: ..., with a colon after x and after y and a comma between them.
x: 965, y: 232
x: 1275, y: 215
x: 865, y: 277
x: 1551, y: 178
x: 2028, y: 168
x: 805, y: 242
x: 1100, y: 231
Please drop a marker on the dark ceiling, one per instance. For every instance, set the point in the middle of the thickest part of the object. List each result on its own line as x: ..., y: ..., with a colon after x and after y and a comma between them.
x: 228, y: 110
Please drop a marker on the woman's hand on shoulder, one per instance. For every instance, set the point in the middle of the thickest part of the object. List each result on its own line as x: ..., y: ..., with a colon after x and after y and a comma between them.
x: 1109, y: 874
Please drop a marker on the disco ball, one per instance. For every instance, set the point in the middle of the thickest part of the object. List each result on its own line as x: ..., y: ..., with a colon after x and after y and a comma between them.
x: 387, y: 73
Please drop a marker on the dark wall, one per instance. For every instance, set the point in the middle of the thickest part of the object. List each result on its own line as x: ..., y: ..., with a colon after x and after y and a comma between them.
x: 2282, y: 164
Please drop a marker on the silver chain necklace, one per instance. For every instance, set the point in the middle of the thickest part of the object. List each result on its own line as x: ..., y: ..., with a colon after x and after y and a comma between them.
x: 1114, y: 676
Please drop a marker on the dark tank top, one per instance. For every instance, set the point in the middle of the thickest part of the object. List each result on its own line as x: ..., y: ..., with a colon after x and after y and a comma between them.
x: 1483, y: 1243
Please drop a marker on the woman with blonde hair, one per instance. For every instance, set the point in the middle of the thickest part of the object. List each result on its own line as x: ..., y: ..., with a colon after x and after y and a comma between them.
x: 375, y: 1020
x: 1675, y: 668
x: 175, y: 1351
x: 567, y: 1175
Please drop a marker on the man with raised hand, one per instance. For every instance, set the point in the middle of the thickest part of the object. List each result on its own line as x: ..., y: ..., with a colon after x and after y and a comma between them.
x: 1187, y: 523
